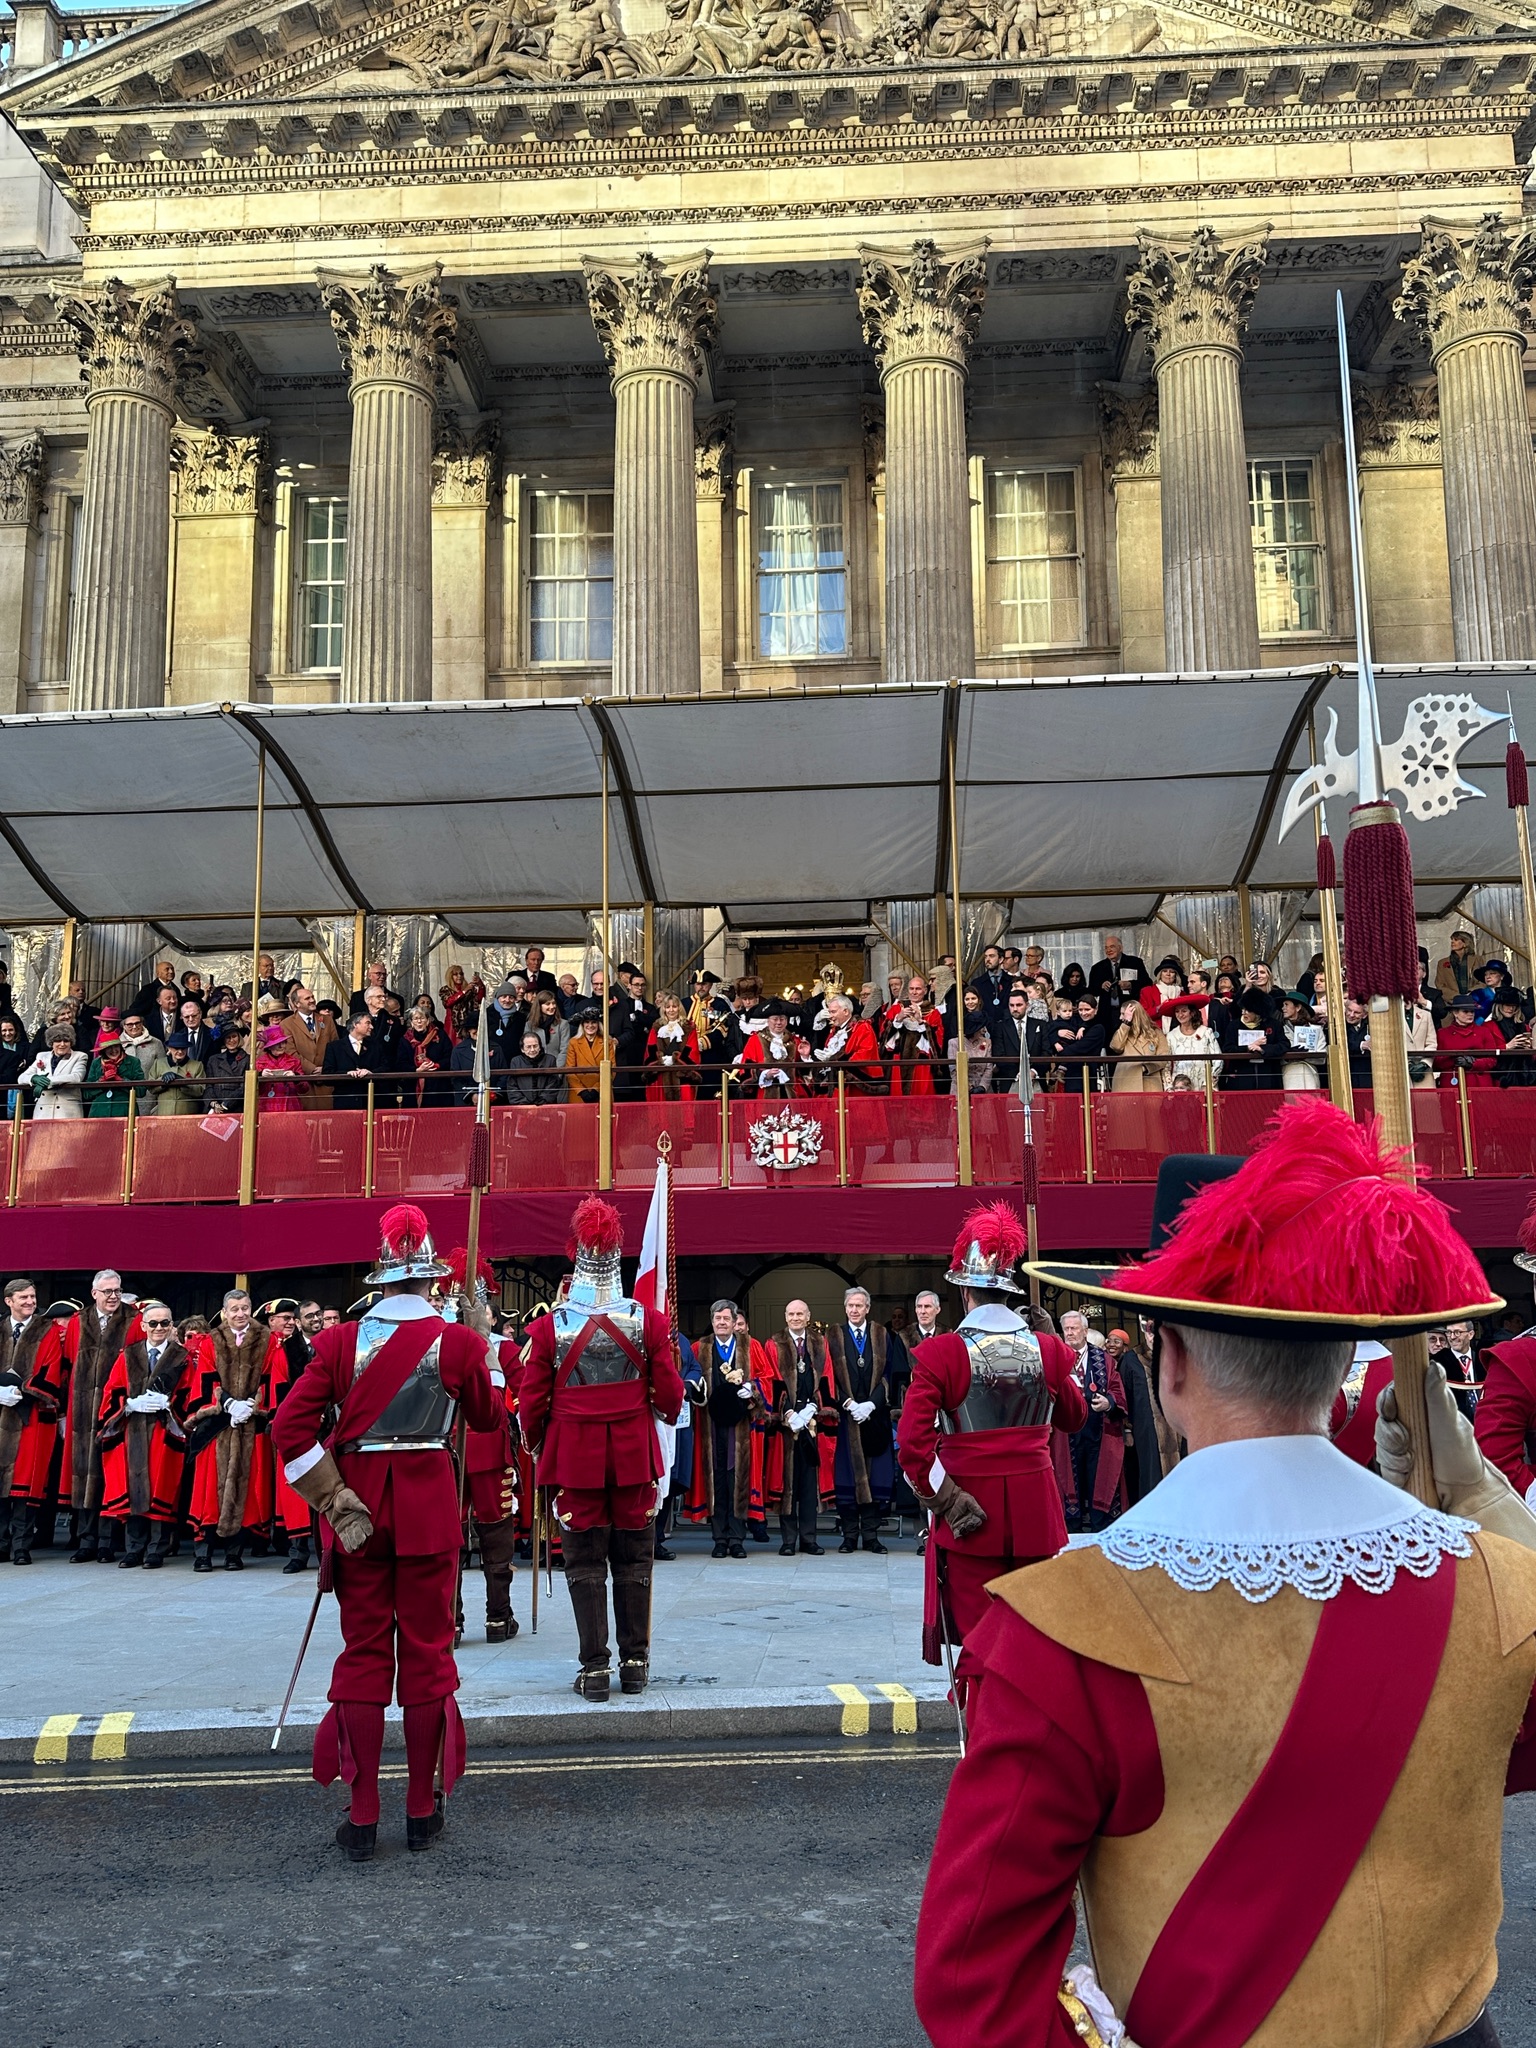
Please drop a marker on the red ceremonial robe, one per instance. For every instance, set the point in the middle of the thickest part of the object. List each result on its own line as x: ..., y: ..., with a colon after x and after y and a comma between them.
x: 911, y: 1076
x: 40, y: 1431
x: 234, y: 1487
x: 144, y: 1456
x: 1007, y: 1471
x: 1506, y: 1415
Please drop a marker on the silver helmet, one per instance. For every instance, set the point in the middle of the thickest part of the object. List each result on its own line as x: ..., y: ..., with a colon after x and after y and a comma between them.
x: 405, y: 1249
x: 597, y: 1246
x: 992, y: 1240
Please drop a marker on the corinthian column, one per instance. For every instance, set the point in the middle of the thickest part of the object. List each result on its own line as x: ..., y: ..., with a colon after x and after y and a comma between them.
x: 654, y: 328
x: 134, y: 347
x: 1464, y: 293
x: 920, y: 315
x: 394, y: 333
x: 1194, y: 301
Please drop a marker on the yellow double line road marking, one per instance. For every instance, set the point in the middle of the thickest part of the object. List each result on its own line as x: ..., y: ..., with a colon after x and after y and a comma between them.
x: 856, y: 1708
x: 109, y: 1740
x: 259, y: 1775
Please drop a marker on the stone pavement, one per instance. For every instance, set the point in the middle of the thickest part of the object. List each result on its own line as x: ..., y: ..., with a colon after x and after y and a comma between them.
x: 198, y: 1666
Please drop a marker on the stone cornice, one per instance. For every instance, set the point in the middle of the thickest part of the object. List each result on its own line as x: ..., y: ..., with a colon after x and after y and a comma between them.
x: 1074, y: 106
x: 1129, y: 203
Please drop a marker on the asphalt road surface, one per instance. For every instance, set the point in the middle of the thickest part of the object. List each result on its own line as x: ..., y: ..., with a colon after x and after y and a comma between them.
x: 746, y: 1896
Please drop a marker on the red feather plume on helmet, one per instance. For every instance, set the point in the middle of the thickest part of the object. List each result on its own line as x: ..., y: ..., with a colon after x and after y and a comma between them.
x: 999, y: 1230
x: 596, y: 1227
x: 402, y: 1231
x: 457, y: 1262
x: 1320, y: 1217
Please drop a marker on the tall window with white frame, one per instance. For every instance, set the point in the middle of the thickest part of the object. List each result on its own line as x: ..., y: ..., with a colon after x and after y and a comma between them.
x: 570, y: 576
x: 1034, y: 559
x: 322, y: 579
x: 802, y: 572
x: 1287, y: 547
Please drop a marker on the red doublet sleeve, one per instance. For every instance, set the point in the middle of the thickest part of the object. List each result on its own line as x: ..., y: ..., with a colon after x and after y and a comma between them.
x: 1506, y: 1414
x: 533, y: 1396
x: 1061, y: 1749
x: 666, y: 1380
x: 1071, y: 1410
x: 941, y: 1376
x: 466, y: 1373
x: 297, y: 1424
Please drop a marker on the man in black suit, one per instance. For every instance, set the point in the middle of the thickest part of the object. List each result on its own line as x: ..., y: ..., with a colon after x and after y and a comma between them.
x: 147, y: 1001
x: 1460, y: 1362
x: 539, y: 976
x: 992, y: 986
x: 630, y: 1017
x: 1118, y: 970
x: 200, y: 1040
x: 354, y: 1059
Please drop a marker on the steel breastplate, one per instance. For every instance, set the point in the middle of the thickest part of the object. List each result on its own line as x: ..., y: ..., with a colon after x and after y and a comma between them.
x: 1353, y: 1388
x: 603, y: 1363
x: 1008, y: 1385
x: 421, y: 1414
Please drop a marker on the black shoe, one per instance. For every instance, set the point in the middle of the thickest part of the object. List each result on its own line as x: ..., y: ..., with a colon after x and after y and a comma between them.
x: 873, y: 1543
x: 634, y: 1675
x: 234, y: 1562
x: 720, y: 1550
x: 86, y: 1554
x: 501, y: 1631
x: 593, y: 1684
x: 357, y: 1841
x: 786, y: 1550
x: 757, y: 1532
x: 202, y: 1564
x: 738, y: 1550
x: 420, y: 1829
x: 813, y: 1549
x: 295, y: 1564
x: 21, y: 1557
x: 524, y: 1552
x: 129, y: 1560
x: 664, y: 1556
x: 155, y: 1561
x: 848, y: 1544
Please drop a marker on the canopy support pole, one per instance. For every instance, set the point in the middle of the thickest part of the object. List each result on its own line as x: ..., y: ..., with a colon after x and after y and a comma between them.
x: 962, y: 1057
x: 1245, y: 924
x: 1340, y: 1089
x: 67, y: 956
x: 648, y: 940
x: 252, y: 1099
x: 359, y: 949
x: 605, y: 1072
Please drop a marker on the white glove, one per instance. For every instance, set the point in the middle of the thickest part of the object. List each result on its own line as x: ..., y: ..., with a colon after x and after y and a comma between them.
x: 241, y: 1411
x: 862, y: 1410
x: 795, y: 1420
x: 156, y: 1400
x: 1465, y: 1482
x: 808, y: 1412
x: 140, y: 1404
x: 10, y: 1397
x: 743, y: 1393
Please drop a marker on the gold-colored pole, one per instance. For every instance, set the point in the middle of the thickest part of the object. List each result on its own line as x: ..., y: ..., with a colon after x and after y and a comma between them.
x: 249, y: 1105
x: 1087, y: 1124
x: 1465, y: 1110
x: 18, y: 1125
x: 368, y: 1136
x: 359, y: 948
x: 842, y: 1127
x: 1392, y: 1102
x: 962, y: 1057
x: 1210, y: 1107
x: 605, y: 1075
x: 67, y: 957
x: 1340, y: 1091
x: 725, y: 1127
x: 1245, y: 923
x: 128, y: 1136
x: 648, y: 941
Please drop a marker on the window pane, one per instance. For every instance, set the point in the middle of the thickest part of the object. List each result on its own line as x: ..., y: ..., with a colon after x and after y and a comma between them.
x: 802, y: 587
x: 322, y: 573
x: 570, y: 576
x: 1287, y: 543
x: 1034, y: 558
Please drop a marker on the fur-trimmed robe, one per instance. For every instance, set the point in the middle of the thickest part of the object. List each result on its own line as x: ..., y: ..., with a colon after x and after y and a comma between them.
x: 233, y: 1489
x: 787, y: 1395
x: 702, y: 1500
x: 862, y: 1442
x: 92, y: 1351
x: 18, y: 1367
x: 142, y: 1455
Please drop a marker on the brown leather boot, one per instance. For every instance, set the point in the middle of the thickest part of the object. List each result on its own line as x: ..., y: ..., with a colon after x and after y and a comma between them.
x: 586, y: 1575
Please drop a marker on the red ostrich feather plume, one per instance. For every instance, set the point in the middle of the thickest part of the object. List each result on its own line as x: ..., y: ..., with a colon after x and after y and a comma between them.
x: 597, y: 1227
x: 457, y: 1262
x: 403, y: 1230
x: 1318, y: 1217
x: 999, y: 1229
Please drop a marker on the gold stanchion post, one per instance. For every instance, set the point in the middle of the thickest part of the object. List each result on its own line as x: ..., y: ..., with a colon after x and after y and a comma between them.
x: 248, y: 1121
x: 1087, y: 1123
x: 18, y: 1126
x: 368, y: 1141
x: 250, y: 1104
x: 129, y: 1130
x: 962, y: 1057
x: 725, y: 1127
x: 842, y: 1127
x: 605, y: 1075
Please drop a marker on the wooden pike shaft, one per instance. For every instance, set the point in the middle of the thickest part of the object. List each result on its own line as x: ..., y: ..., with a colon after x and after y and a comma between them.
x: 1393, y: 1102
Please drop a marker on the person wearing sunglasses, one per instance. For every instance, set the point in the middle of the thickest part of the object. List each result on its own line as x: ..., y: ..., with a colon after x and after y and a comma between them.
x: 143, y: 1437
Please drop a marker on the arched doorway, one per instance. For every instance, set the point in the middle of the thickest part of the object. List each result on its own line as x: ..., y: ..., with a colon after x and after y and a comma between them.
x: 817, y: 1282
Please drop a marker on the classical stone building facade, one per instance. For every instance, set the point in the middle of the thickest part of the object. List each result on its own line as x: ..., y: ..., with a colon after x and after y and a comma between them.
x: 391, y: 349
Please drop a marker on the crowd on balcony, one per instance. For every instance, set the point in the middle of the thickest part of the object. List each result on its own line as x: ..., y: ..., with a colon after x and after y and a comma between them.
x: 183, y: 1048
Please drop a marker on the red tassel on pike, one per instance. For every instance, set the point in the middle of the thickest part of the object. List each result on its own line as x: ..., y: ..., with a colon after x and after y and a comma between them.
x: 480, y: 1156
x: 1327, y: 872
x: 1381, y: 939
x: 1517, y: 786
x: 1030, y: 1177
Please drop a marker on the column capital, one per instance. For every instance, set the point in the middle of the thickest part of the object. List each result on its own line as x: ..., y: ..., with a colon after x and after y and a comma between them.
x: 714, y: 449
x: 1195, y: 294
x: 1397, y: 425
x: 391, y: 327
x: 133, y: 339
x: 464, y: 458
x: 1128, y: 431
x: 919, y: 306
x: 21, y: 474
x: 220, y: 471
x: 648, y: 318
x: 1458, y: 286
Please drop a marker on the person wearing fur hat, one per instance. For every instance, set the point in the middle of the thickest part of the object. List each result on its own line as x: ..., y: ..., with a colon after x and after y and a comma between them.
x: 391, y: 1386
x: 599, y: 1370
x: 975, y: 1431
x: 1265, y: 1719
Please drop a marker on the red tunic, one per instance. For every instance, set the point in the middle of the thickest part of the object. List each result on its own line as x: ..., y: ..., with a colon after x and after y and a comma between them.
x: 1355, y: 1434
x: 599, y: 1441
x: 488, y: 1453
x: 1506, y: 1415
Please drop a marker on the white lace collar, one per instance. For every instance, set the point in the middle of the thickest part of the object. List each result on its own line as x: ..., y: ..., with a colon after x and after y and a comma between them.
x: 1281, y: 1511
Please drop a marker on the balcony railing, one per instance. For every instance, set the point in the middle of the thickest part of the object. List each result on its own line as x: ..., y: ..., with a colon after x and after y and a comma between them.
x: 866, y: 1141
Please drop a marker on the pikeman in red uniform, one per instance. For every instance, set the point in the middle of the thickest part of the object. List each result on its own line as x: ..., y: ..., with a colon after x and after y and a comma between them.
x: 599, y: 1370
x: 383, y: 1482
x: 974, y: 1439
x: 143, y: 1436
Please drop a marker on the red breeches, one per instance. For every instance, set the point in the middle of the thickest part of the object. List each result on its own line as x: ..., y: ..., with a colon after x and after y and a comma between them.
x: 396, y: 1624
x: 606, y: 1507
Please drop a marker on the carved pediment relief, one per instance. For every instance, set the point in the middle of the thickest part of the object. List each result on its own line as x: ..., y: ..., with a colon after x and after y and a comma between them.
x: 234, y: 51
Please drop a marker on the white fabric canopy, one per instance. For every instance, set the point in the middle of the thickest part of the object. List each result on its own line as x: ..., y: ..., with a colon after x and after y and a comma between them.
x: 1081, y: 799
